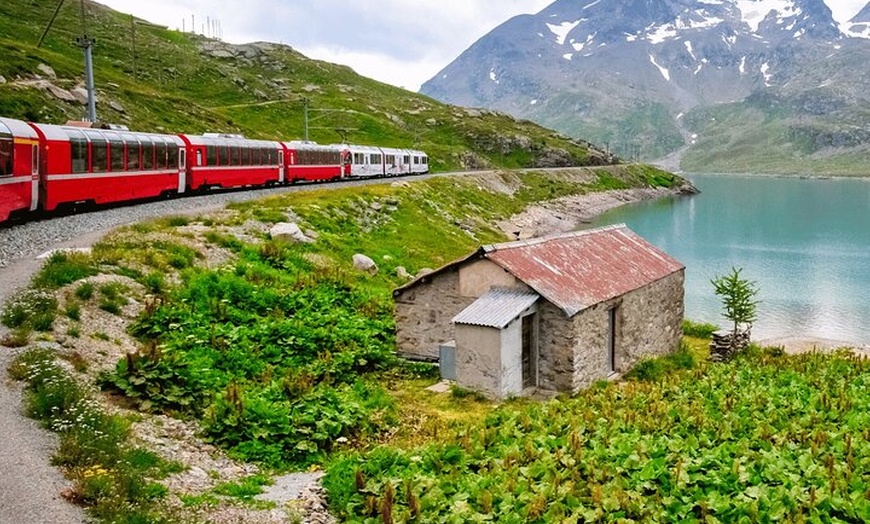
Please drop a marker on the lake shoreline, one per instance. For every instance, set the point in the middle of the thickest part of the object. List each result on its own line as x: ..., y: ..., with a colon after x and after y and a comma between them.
x: 570, y: 212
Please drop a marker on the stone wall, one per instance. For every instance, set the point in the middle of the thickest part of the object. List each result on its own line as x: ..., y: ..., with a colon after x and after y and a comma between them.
x: 424, y: 315
x: 648, y: 324
x: 556, y: 340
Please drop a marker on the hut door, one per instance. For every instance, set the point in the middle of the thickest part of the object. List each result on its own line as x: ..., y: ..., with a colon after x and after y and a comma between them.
x: 530, y: 364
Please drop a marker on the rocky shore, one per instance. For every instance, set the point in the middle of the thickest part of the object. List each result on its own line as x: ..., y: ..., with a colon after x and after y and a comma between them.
x: 568, y: 213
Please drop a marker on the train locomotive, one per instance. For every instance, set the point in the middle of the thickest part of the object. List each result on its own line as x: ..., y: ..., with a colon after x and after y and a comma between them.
x: 45, y: 166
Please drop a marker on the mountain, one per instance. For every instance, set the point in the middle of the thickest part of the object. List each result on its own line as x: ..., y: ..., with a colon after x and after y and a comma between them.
x: 154, y: 79
x: 731, y: 85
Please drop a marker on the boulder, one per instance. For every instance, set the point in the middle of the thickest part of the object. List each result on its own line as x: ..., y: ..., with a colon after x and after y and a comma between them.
x: 288, y: 232
x: 60, y: 94
x: 46, y: 70
x: 2, y: 79
x: 401, y: 272
x: 117, y: 107
x: 364, y: 263
x: 80, y: 94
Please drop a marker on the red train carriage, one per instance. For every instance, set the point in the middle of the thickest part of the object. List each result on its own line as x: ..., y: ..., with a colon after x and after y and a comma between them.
x: 310, y: 162
x: 19, y: 167
x: 102, y: 166
x: 233, y: 161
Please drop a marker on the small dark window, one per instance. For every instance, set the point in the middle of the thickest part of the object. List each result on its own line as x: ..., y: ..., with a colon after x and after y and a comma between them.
x: 134, y: 153
x: 407, y: 160
x: 100, y: 156
x: 147, y: 154
x: 116, y: 152
x: 211, y: 155
x: 6, y: 154
x: 79, y: 155
x: 160, y: 153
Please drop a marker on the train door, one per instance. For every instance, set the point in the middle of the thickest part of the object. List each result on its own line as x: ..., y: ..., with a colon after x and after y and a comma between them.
x: 280, y: 166
x: 34, y: 177
x: 182, y: 168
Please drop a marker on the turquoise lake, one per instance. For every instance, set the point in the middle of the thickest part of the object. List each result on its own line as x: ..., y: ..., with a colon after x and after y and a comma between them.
x: 805, y: 242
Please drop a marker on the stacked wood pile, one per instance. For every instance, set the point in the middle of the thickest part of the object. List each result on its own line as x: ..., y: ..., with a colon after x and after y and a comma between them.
x: 726, y: 344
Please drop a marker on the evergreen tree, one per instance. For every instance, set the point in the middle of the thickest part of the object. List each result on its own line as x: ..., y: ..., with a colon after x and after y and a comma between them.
x: 738, y: 298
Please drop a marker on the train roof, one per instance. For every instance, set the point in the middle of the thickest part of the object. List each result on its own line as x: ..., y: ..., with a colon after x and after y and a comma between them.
x: 65, y: 133
x: 227, y: 140
x: 311, y: 146
x: 16, y: 128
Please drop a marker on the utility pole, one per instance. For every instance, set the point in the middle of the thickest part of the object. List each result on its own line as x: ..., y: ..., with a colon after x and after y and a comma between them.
x: 87, y: 44
x: 306, y: 101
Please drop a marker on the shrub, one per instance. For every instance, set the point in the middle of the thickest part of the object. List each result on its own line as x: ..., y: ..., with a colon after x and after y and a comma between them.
x: 73, y: 311
x: 64, y: 268
x: 699, y: 329
x: 32, y: 309
x: 85, y: 290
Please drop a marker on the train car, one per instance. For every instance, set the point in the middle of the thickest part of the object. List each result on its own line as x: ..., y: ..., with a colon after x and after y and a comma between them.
x: 397, y: 162
x: 419, y: 162
x: 365, y: 161
x: 311, y: 162
x: 100, y: 166
x: 225, y: 161
x: 19, y: 167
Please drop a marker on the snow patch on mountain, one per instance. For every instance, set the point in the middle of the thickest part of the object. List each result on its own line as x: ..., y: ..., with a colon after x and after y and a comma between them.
x: 663, y: 70
x: 754, y: 12
x: 561, y: 31
x: 493, y: 76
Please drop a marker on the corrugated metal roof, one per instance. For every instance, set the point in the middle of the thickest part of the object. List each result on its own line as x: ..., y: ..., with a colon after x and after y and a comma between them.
x: 577, y: 270
x: 496, y: 308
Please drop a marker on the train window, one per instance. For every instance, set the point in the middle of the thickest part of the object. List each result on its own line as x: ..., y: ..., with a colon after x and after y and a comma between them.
x: 234, y: 155
x: 358, y: 158
x: 147, y: 155
x: 133, y: 154
x: 375, y: 159
x: 116, y: 154
x: 6, y: 154
x: 210, y: 155
x: 161, y: 151
x: 273, y: 157
x: 99, y: 156
x: 391, y: 159
x: 78, y: 155
x: 407, y: 159
x: 425, y: 160
x: 224, y: 155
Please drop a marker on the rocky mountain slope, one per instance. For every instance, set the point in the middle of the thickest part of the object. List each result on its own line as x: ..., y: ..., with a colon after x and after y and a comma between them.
x: 154, y: 79
x: 740, y: 85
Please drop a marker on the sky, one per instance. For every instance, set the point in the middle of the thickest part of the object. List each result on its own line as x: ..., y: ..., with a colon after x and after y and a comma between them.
x: 399, y: 42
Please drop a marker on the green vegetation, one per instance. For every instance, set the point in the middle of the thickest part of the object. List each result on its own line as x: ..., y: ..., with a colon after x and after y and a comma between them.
x: 738, y: 298
x: 180, y: 82
x: 699, y: 329
x: 765, y: 438
x: 118, y: 482
x: 286, y: 356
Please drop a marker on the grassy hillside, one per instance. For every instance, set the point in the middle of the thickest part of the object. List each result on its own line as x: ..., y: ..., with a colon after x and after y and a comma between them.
x: 766, y: 134
x: 152, y: 78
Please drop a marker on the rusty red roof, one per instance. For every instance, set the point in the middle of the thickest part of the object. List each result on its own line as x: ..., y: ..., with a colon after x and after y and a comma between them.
x: 577, y: 270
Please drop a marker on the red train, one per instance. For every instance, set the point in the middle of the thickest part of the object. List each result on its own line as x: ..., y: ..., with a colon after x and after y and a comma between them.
x: 44, y: 166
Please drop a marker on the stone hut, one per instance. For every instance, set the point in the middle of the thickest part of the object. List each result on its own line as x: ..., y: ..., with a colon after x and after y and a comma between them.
x: 553, y: 313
